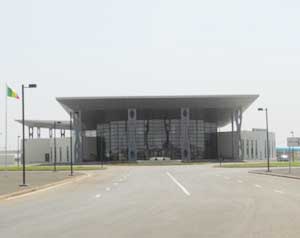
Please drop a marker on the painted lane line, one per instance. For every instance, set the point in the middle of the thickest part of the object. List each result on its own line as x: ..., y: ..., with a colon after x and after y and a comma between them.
x: 279, y: 191
x: 186, y: 192
x: 98, y: 196
x: 240, y: 181
x: 258, y: 186
x: 108, y: 189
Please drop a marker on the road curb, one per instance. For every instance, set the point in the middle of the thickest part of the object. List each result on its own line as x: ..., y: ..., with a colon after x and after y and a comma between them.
x: 43, y: 187
x: 274, y: 174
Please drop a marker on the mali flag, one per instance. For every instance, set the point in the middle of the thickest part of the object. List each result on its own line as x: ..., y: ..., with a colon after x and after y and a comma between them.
x: 11, y: 93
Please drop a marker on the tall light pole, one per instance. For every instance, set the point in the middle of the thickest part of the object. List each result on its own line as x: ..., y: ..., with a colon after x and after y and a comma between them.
x: 23, y: 131
x: 71, y: 144
x: 293, y: 157
x: 268, y: 144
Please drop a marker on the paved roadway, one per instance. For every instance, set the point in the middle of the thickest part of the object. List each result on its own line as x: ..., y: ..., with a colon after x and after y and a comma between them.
x: 167, y: 201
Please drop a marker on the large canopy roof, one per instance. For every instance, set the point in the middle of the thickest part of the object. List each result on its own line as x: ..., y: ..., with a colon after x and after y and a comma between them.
x: 50, y: 124
x: 216, y: 107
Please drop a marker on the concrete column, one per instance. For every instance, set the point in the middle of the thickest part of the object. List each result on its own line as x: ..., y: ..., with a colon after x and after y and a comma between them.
x: 62, y: 133
x: 131, y: 127
x: 38, y: 132
x: 77, y: 125
x: 31, y: 131
x: 238, y: 121
x: 184, y: 138
x: 232, y: 136
x: 50, y: 133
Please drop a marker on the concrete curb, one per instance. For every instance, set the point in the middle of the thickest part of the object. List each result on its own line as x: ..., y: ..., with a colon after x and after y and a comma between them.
x: 274, y: 174
x: 44, y: 187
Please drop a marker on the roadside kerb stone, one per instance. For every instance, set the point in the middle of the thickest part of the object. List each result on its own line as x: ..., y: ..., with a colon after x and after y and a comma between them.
x: 68, y: 180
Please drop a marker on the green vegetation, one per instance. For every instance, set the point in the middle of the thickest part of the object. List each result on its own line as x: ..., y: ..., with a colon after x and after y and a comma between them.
x: 259, y: 164
x: 158, y: 163
x: 50, y: 168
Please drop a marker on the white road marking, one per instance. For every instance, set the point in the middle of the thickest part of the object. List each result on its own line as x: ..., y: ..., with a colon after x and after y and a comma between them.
x: 108, y: 189
x: 98, y: 196
x: 240, y: 181
x: 279, y: 191
x: 116, y: 184
x: 179, y: 184
x: 258, y: 186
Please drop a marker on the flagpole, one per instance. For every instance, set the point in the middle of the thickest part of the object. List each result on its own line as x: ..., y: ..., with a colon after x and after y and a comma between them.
x: 5, y: 127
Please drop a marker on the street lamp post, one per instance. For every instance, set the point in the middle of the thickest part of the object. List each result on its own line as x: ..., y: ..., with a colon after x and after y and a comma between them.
x: 293, y: 157
x: 290, y: 159
x: 268, y: 144
x: 23, y: 131
x: 71, y: 144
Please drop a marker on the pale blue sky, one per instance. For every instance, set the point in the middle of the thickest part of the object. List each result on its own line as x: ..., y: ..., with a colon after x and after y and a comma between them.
x: 134, y: 47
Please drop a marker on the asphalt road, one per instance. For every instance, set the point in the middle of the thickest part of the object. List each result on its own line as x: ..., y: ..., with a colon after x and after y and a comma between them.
x: 167, y: 201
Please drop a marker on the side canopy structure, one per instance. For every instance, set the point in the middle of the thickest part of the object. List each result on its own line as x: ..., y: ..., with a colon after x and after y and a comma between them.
x: 132, y: 128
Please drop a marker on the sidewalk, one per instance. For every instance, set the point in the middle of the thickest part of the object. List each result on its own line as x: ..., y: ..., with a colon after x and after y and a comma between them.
x: 280, y: 172
x: 10, y: 181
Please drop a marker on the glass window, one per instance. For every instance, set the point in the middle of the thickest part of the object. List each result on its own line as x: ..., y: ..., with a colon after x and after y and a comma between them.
x: 252, y: 149
x: 157, y: 137
x: 60, y: 154
x: 68, y: 153
x: 256, y: 149
x: 266, y: 149
x: 247, y: 148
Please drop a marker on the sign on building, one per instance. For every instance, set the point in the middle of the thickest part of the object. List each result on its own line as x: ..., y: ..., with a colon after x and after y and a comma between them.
x: 293, y: 142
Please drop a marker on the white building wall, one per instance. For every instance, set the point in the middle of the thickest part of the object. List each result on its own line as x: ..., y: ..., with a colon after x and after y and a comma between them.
x: 62, y: 150
x: 255, y: 145
x: 36, y: 150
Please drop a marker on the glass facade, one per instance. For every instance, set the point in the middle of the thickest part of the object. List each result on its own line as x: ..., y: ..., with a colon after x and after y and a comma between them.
x: 156, y: 138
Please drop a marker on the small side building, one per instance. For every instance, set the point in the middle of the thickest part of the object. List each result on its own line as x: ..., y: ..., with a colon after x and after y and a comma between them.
x: 254, y: 145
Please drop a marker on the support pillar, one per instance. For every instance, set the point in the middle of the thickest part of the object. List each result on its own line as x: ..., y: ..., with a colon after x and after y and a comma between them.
x: 31, y: 131
x: 232, y: 136
x: 131, y: 127
x: 238, y: 116
x: 50, y: 133
x: 184, y: 138
x: 78, y: 139
x: 62, y: 133
x: 38, y: 132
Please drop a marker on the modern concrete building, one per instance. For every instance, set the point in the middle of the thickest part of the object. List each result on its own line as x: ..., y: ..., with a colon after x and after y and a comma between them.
x: 139, y: 128
x: 254, y: 145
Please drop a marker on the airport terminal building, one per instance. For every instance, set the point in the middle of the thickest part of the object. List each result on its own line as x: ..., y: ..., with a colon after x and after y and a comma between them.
x: 140, y: 128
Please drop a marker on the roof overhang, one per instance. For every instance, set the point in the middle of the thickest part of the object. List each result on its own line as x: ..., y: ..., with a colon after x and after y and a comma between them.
x: 47, y: 124
x: 220, y: 106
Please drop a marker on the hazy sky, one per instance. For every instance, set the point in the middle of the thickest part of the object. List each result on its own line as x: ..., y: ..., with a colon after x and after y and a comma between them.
x: 157, y: 47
